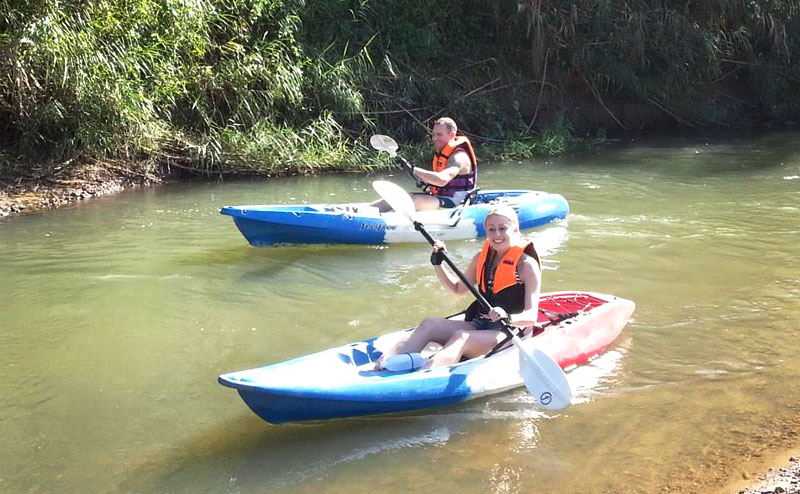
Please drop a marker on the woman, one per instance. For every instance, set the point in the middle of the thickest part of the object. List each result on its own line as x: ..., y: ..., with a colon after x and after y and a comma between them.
x: 508, y: 275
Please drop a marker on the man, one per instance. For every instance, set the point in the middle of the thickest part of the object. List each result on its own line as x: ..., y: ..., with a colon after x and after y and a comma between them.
x: 454, y: 170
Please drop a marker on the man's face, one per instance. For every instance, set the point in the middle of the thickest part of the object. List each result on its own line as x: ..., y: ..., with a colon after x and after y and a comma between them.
x: 441, y: 136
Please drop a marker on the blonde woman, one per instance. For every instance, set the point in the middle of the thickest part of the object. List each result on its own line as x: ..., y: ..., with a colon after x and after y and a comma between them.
x: 507, y: 274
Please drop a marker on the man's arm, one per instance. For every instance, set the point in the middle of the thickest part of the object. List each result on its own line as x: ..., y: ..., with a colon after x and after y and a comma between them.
x: 458, y: 163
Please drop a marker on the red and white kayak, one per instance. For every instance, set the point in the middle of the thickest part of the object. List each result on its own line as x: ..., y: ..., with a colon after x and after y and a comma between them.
x: 339, y: 382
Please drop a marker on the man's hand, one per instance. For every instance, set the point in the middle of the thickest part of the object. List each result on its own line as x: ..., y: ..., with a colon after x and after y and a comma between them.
x: 404, y: 165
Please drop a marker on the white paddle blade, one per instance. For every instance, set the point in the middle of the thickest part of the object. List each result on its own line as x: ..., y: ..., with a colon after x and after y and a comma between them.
x: 396, y: 197
x: 544, y: 379
x: 384, y: 143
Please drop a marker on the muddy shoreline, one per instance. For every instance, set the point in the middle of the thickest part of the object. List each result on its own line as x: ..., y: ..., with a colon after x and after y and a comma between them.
x: 781, y: 478
x: 34, y: 191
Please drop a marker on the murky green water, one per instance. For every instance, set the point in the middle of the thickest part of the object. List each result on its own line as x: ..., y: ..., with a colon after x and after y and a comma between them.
x: 117, y: 315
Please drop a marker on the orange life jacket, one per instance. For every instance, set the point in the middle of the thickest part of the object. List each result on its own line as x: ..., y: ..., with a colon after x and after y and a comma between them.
x: 505, y: 274
x: 507, y: 289
x: 459, y: 182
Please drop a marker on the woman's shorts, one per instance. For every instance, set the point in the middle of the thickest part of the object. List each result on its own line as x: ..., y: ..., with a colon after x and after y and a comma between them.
x: 480, y: 323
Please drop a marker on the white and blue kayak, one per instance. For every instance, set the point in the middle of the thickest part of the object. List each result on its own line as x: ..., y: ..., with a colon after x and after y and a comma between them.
x: 340, y: 382
x: 360, y: 223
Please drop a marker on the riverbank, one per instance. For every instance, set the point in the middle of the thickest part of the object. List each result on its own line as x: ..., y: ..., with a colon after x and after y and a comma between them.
x: 768, y: 462
x: 781, y: 478
x: 36, y: 190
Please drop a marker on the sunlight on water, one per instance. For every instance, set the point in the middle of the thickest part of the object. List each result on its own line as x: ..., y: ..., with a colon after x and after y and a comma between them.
x: 118, y: 315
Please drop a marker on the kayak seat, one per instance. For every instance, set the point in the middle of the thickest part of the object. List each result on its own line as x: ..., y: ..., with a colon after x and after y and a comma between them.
x: 472, y: 194
x: 468, y: 200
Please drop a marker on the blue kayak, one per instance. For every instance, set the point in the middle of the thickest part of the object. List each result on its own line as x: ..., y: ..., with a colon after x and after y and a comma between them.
x: 340, y: 382
x: 360, y: 223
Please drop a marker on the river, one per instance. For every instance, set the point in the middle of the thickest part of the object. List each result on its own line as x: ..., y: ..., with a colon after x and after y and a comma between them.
x: 118, y: 314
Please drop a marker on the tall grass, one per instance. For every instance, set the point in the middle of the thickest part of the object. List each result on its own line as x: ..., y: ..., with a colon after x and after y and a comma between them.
x: 294, y: 86
x: 208, y: 79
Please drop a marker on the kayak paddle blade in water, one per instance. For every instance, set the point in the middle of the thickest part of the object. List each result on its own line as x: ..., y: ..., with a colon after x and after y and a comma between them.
x: 544, y: 378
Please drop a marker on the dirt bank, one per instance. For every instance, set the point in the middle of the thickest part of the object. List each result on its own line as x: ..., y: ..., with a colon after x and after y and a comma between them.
x: 34, y: 190
x: 782, y: 478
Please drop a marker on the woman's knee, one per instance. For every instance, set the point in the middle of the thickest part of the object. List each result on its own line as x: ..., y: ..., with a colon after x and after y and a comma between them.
x: 459, y: 336
x: 434, y: 329
x: 428, y: 326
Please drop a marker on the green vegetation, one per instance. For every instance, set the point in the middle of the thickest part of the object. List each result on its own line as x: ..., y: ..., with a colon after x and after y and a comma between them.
x: 296, y: 86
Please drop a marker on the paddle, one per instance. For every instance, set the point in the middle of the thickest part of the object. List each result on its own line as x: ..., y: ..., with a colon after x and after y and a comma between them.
x: 543, y: 377
x: 385, y: 143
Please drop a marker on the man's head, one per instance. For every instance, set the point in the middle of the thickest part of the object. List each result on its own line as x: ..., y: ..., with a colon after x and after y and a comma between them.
x: 444, y: 129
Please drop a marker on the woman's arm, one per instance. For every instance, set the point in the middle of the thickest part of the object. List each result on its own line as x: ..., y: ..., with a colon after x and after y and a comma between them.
x: 531, y: 275
x: 449, y: 281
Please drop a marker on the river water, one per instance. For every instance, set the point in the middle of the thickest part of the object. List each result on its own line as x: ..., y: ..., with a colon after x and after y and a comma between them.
x: 118, y: 314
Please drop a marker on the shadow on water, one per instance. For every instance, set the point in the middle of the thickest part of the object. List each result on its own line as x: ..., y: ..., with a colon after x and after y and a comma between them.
x: 321, y: 262
x: 259, y: 457
x: 700, y: 156
x: 548, y: 239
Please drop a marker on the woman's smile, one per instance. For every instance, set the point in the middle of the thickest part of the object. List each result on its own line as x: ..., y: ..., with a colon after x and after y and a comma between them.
x: 499, y: 230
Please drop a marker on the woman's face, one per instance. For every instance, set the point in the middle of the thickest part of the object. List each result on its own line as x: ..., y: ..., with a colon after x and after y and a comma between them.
x: 500, y: 231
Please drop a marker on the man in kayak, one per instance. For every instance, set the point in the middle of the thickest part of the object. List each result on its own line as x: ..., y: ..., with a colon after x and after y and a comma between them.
x: 508, y: 275
x: 454, y: 170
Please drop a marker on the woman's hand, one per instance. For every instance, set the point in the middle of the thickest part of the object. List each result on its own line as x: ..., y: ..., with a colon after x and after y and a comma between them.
x: 437, y: 254
x: 496, y: 314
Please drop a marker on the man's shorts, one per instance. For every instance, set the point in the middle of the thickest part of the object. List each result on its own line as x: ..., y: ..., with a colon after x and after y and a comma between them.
x: 451, y: 202
x: 446, y: 202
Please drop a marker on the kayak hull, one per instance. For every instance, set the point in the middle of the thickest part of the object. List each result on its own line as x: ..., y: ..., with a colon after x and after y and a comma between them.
x: 279, y: 409
x: 265, y: 225
x: 338, y: 382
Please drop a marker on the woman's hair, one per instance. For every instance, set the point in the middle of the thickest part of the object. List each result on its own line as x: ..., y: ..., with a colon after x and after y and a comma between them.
x: 505, y: 212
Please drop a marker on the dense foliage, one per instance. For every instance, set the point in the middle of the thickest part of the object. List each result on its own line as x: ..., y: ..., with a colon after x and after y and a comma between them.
x: 286, y: 86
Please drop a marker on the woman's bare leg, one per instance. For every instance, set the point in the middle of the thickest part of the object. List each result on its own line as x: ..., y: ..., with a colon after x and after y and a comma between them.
x: 430, y: 329
x: 468, y: 343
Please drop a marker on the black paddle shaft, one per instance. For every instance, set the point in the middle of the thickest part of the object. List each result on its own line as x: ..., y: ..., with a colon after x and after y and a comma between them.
x: 405, y: 165
x: 480, y: 298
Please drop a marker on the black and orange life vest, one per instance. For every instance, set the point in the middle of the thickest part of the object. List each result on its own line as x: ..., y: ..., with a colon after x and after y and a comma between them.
x: 460, y: 182
x: 503, y: 287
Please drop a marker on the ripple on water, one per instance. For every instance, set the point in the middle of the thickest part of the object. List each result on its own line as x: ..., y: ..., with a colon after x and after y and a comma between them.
x: 318, y: 468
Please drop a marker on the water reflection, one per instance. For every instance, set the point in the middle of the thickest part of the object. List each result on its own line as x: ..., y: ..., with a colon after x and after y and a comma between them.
x: 258, y: 459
